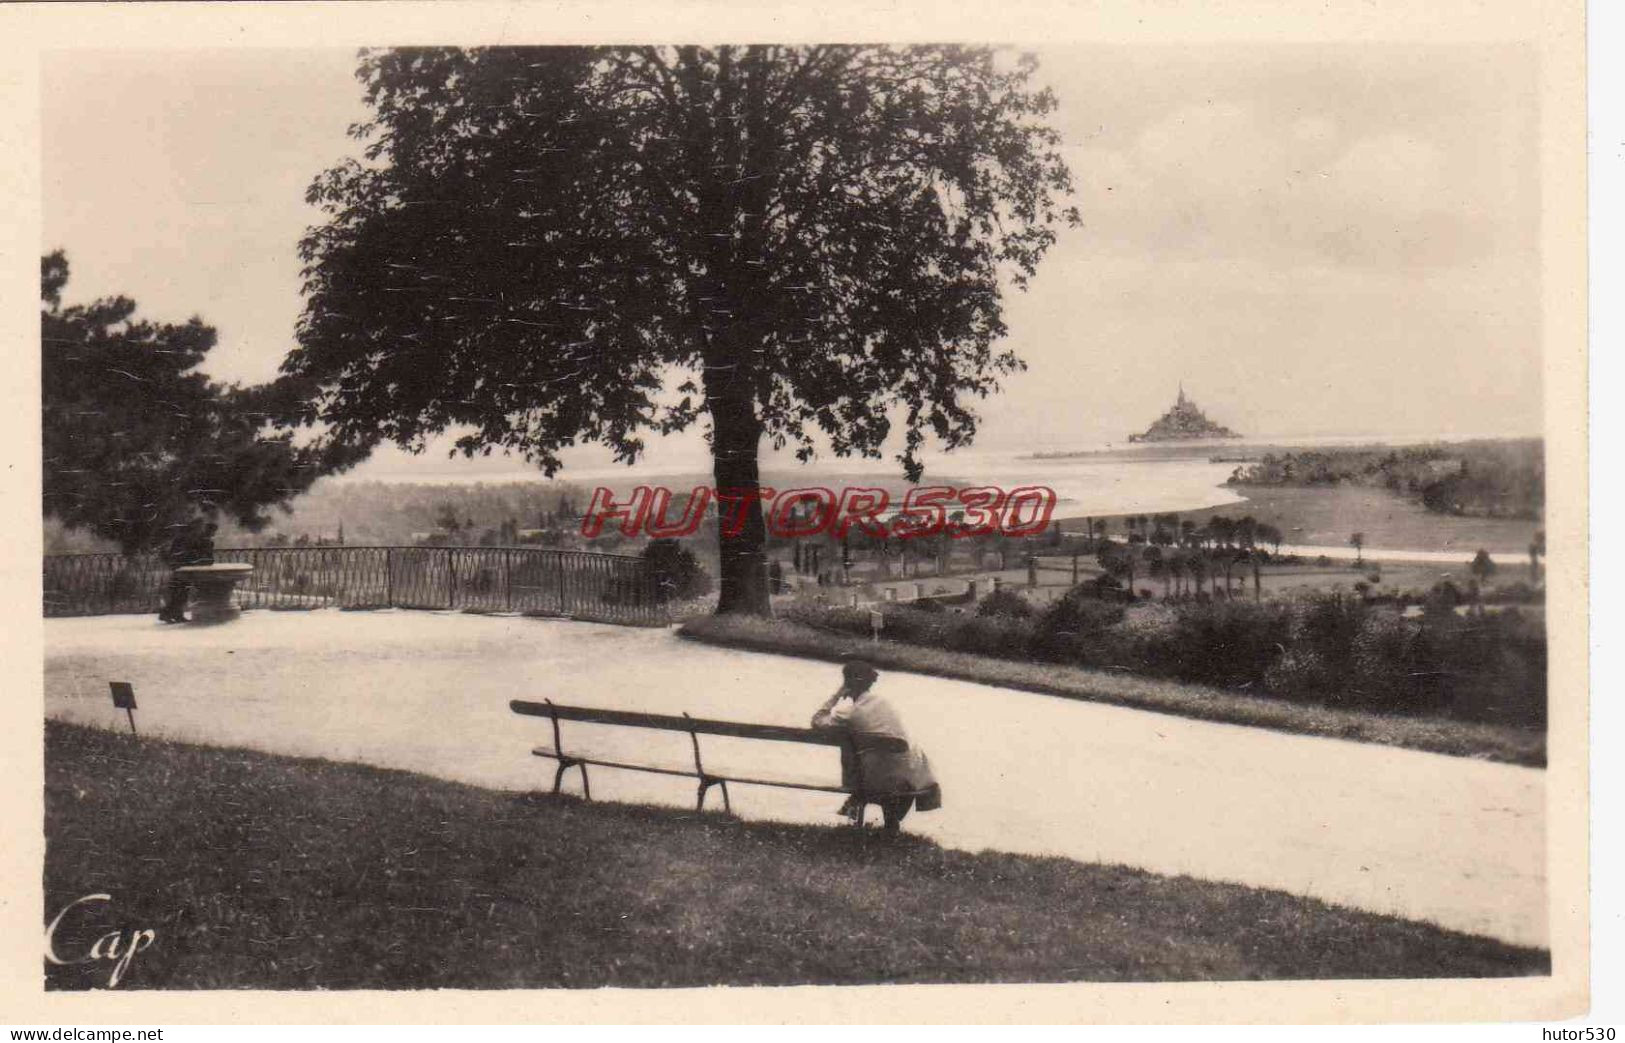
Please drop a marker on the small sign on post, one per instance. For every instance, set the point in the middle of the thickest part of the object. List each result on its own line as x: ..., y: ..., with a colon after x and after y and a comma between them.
x: 877, y: 623
x: 124, y: 699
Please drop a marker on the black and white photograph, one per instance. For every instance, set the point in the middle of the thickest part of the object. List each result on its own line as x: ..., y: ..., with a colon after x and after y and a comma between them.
x: 536, y: 512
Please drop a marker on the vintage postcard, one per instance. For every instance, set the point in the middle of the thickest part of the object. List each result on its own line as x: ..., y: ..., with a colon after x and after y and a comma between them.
x: 986, y: 513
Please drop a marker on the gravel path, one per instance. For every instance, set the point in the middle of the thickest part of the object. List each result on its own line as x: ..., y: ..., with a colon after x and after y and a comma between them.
x: 1454, y: 841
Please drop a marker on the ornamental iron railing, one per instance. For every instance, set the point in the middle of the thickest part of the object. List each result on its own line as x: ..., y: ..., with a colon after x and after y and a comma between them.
x: 582, y: 585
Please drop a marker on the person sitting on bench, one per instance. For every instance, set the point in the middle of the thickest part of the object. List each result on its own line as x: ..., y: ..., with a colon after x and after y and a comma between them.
x: 895, y: 773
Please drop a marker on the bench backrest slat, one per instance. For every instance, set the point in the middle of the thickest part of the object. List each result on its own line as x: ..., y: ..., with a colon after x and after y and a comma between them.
x: 667, y: 722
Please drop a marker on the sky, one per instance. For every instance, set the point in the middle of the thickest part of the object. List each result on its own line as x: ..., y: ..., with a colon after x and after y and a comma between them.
x: 1315, y: 239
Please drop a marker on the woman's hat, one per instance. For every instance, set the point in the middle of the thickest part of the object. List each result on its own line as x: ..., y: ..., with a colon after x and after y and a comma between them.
x: 858, y: 672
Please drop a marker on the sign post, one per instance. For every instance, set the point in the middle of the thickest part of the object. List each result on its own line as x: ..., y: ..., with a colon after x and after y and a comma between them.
x: 124, y: 699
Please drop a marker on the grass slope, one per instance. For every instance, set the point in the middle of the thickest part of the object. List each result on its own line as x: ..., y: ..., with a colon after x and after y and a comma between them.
x: 270, y: 872
x: 1508, y: 743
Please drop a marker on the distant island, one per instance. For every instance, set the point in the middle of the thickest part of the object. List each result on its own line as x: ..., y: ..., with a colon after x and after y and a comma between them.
x: 1184, y: 422
x: 1485, y: 478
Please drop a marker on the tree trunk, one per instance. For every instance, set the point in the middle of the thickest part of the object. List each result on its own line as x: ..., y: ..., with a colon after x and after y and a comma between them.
x: 735, y: 435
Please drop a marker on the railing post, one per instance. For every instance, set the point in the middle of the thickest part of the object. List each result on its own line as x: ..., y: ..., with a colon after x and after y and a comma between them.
x: 389, y: 577
x: 451, y: 579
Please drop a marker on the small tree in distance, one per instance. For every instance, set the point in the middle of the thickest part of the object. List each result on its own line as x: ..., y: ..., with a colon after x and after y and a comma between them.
x: 678, y: 575
x: 1357, y: 541
x: 1004, y: 603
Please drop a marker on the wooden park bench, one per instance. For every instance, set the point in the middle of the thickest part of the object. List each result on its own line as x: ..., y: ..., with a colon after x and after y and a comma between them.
x: 695, y: 727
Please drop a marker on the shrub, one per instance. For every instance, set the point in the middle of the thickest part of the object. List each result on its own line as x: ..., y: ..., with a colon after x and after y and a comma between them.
x: 1518, y: 592
x: 1072, y: 623
x: 844, y: 620
x: 1442, y: 599
x: 1494, y: 668
x: 990, y: 635
x: 1297, y: 674
x: 1383, y: 655
x: 678, y: 575
x: 905, y: 623
x: 1103, y: 587
x: 1327, y: 623
x: 1323, y: 647
x: 1223, y: 642
x: 1005, y: 603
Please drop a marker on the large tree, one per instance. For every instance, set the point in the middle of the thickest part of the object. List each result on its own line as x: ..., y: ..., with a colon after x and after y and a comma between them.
x: 544, y: 246
x: 137, y: 440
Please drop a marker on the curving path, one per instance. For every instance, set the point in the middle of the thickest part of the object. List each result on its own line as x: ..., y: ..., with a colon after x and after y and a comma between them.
x: 1455, y: 841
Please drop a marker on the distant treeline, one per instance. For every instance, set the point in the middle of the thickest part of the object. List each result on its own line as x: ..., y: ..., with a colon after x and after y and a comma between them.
x: 1494, y: 479
x: 371, y: 513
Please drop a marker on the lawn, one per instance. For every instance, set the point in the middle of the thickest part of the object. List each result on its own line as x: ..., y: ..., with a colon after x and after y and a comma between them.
x: 258, y: 871
x: 1326, y: 515
x: 1498, y: 742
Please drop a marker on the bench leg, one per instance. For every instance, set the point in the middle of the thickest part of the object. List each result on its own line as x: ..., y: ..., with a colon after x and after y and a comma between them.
x: 565, y: 764
x: 706, y: 782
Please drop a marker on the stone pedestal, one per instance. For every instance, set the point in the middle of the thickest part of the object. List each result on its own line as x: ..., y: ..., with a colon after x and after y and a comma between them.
x: 211, y: 590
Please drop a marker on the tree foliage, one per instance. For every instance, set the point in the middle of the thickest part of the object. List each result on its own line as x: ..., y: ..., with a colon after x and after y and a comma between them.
x: 136, y: 440
x: 544, y: 246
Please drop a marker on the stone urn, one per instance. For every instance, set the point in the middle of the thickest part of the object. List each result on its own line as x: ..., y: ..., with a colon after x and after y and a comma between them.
x: 211, y: 590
